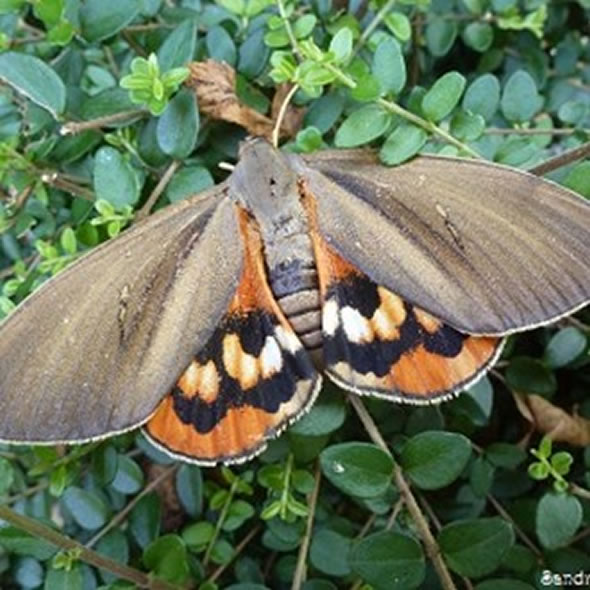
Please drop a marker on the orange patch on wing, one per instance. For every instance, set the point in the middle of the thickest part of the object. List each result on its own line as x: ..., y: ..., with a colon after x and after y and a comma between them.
x: 253, y: 291
x: 239, y: 434
x: 422, y: 373
x: 330, y: 266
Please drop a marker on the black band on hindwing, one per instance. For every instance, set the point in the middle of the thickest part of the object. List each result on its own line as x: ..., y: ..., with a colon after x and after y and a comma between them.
x: 268, y: 394
x: 378, y: 356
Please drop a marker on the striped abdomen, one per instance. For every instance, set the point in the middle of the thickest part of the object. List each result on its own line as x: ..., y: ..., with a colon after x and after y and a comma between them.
x: 295, y: 286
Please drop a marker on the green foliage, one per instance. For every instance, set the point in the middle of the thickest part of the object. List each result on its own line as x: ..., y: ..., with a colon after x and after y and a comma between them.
x: 93, y: 114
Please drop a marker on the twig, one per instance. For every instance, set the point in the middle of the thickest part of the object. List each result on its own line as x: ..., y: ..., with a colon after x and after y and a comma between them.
x: 288, y: 28
x: 281, y: 115
x: 239, y: 548
x: 502, y: 512
x: 577, y: 153
x: 220, y: 520
x: 122, y: 515
x: 580, y: 491
x: 430, y: 544
x: 158, y: 190
x: 300, y: 569
x: 394, y: 513
x: 373, y: 25
x: 74, y: 127
x: 140, y: 579
x: 56, y: 181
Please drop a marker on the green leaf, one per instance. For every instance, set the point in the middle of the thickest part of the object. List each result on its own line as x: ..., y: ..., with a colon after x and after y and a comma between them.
x: 530, y: 375
x: 520, y: 100
x: 505, y: 455
x: 478, y: 36
x: 115, y: 546
x: 389, y: 66
x: 558, y: 518
x: 115, y: 180
x: 467, y: 126
x: 64, y: 579
x: 565, y: 347
x: 189, y: 487
x: 30, y: 76
x: 144, y: 520
x: 326, y: 416
x: 482, y: 96
x: 440, y: 36
x: 129, y: 477
x: 221, y: 46
x: 435, y: 459
x: 405, y: 142
x: 166, y: 558
x: 87, y: 509
x: 328, y: 552
x: 399, y: 24
x: 367, y: 89
x: 6, y: 476
x: 179, y: 47
x: 578, y: 179
x: 358, y: 469
x: 538, y: 471
x: 100, y: 19
x: 475, y: 548
x: 178, y: 126
x: 444, y: 95
x: 17, y: 541
x: 362, y: 126
x: 562, y: 462
x: 28, y: 572
x: 188, y: 182
x: 197, y: 536
x: 104, y: 462
x: 389, y: 561
x: 341, y: 45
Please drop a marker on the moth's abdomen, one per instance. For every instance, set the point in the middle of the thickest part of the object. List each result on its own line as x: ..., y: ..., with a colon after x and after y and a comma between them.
x: 295, y: 287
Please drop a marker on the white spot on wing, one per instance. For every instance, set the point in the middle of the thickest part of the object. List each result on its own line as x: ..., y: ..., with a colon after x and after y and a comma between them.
x: 271, y: 359
x: 330, y: 319
x: 356, y: 327
x: 288, y: 340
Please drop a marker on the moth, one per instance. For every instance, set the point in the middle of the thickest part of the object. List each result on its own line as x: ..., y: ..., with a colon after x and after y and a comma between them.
x: 212, y: 322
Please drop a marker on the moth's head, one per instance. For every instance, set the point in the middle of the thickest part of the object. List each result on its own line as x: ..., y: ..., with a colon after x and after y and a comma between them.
x: 262, y: 174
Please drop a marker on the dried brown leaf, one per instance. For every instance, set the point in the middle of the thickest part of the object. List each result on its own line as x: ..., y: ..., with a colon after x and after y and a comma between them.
x: 214, y: 84
x: 553, y: 420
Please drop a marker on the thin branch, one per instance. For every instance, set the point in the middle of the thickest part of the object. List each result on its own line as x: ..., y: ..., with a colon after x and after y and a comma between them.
x: 55, y: 180
x: 580, y: 491
x: 74, y: 127
x: 373, y: 25
x: 220, y: 520
x: 281, y: 115
x: 158, y: 190
x: 41, y: 531
x: 577, y: 153
x: 520, y: 533
x: 430, y: 544
x: 124, y: 513
x: 300, y: 569
x: 288, y: 28
x: 239, y: 548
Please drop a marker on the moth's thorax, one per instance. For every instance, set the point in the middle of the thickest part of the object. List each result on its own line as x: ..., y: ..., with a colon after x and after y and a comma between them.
x: 265, y: 184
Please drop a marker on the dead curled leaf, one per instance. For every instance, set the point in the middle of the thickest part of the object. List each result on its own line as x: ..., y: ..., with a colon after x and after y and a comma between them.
x: 215, y: 83
x: 552, y: 420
